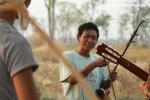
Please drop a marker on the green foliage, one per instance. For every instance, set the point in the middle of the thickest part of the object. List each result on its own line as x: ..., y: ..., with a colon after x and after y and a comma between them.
x: 126, y: 86
x: 123, y: 23
x: 69, y: 17
x: 138, y: 13
x: 103, y: 22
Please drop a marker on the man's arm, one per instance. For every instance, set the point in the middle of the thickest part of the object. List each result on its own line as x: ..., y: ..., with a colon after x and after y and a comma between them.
x: 24, y: 85
x: 97, y: 63
x: 145, y: 88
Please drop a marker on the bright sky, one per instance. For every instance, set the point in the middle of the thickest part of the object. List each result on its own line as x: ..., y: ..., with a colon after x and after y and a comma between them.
x: 113, y: 7
x: 38, y: 9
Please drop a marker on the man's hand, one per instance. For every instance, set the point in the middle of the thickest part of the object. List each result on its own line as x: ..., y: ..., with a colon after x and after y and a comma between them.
x: 99, y: 62
x: 145, y: 87
x: 113, y: 76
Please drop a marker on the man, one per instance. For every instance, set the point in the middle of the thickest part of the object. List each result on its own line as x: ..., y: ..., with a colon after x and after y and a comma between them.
x: 91, y: 66
x: 16, y: 60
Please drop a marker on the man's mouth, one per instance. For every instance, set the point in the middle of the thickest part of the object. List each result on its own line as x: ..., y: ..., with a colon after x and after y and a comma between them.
x: 89, y: 45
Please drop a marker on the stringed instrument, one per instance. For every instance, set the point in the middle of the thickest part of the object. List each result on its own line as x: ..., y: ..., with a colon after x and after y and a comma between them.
x: 113, y: 56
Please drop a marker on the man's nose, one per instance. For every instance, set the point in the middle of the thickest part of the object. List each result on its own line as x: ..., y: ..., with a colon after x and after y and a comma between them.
x: 90, y: 39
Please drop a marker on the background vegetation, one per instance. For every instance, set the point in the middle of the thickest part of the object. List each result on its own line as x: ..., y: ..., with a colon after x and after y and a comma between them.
x: 63, y: 20
x: 47, y: 76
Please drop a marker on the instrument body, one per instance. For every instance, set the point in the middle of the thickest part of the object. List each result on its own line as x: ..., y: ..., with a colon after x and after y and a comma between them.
x: 113, y: 56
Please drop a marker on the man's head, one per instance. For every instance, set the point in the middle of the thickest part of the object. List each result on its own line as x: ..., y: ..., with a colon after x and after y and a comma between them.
x: 87, y: 26
x: 13, y: 9
x: 87, y: 36
x: 27, y: 2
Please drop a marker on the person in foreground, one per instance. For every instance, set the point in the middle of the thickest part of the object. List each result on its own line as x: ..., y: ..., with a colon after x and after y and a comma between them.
x: 90, y: 65
x: 16, y: 60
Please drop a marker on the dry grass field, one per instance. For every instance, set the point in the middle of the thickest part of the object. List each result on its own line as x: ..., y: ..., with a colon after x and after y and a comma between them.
x: 47, y: 76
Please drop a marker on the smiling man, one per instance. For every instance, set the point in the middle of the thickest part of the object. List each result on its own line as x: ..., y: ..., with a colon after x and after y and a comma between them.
x: 91, y: 66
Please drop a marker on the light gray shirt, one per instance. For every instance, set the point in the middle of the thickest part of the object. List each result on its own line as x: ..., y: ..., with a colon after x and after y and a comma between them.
x: 15, y: 56
x: 94, y: 79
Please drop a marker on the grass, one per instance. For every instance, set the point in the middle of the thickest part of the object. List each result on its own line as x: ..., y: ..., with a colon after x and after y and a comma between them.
x: 47, y: 76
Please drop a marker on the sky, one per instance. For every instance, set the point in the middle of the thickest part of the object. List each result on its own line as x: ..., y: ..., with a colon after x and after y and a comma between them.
x: 113, y: 7
x: 38, y: 9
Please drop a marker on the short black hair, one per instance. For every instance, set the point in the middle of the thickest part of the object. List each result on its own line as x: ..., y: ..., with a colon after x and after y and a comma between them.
x: 87, y: 26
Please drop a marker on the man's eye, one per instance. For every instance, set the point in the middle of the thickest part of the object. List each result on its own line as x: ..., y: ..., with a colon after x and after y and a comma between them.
x: 92, y: 37
x: 87, y: 37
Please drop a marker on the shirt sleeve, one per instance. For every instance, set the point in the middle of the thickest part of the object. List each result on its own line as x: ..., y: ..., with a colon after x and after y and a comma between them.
x: 18, y: 56
x: 64, y: 72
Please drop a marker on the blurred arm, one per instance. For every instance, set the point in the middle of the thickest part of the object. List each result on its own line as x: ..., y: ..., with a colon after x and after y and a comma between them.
x: 85, y: 71
x: 24, y: 85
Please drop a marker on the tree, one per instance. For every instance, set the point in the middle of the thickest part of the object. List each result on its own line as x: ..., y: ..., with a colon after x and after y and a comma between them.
x: 123, y: 22
x: 138, y: 13
x: 68, y: 17
x: 103, y: 22
x: 89, y: 9
x: 101, y: 19
x: 50, y: 5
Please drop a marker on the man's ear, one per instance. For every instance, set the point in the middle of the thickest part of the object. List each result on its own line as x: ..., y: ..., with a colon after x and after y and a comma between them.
x: 78, y: 37
x: 27, y: 2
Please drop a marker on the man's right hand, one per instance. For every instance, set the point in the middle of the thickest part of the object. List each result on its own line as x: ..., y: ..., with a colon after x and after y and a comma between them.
x: 100, y: 63
x: 145, y: 87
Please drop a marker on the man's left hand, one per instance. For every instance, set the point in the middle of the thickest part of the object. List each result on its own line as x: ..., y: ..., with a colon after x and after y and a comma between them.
x: 113, y: 76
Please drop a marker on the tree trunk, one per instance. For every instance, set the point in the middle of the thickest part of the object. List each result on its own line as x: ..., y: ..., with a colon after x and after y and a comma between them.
x: 53, y: 19
x: 49, y: 20
x: 51, y: 16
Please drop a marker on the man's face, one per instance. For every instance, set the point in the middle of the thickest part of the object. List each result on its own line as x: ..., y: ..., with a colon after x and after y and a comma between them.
x: 88, y: 39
